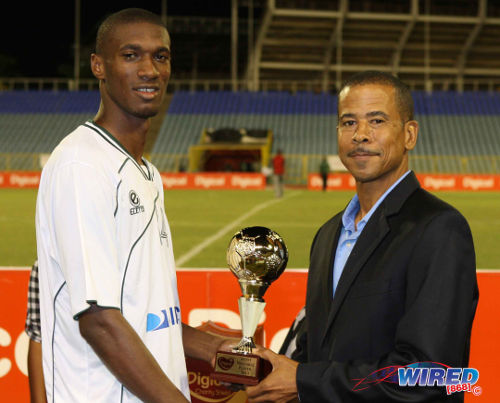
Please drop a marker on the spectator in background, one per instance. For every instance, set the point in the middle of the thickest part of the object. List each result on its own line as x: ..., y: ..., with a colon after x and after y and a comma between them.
x: 324, y: 170
x: 279, y: 173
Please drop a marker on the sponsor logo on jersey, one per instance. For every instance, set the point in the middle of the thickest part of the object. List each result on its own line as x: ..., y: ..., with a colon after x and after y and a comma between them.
x: 168, y: 317
x: 135, y: 201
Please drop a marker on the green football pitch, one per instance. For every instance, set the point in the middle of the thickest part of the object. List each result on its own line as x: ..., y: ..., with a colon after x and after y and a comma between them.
x: 202, y: 222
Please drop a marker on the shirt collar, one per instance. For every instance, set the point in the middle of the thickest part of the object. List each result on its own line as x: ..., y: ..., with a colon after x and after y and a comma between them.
x: 353, y: 207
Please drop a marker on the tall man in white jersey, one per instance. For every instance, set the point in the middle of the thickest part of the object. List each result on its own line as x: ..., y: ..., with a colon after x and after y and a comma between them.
x: 110, y: 312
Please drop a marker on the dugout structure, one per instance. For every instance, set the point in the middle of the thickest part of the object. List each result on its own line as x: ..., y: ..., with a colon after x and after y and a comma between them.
x: 231, y: 150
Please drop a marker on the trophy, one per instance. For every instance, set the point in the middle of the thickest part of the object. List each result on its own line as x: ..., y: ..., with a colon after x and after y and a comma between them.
x: 257, y: 256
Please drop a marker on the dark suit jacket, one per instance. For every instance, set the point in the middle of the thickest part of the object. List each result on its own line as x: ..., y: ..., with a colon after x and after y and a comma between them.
x: 408, y: 293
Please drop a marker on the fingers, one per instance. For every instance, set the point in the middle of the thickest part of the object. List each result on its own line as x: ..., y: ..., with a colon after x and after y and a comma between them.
x: 257, y: 393
x: 265, y: 353
x: 280, y: 385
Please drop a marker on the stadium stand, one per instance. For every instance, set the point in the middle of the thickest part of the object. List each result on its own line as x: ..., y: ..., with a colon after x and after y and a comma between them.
x: 459, y: 131
x: 34, y: 122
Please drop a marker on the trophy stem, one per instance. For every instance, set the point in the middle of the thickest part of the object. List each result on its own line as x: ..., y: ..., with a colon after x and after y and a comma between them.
x: 250, y: 313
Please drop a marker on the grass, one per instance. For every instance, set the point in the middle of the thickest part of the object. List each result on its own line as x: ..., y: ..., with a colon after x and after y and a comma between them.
x: 195, y: 216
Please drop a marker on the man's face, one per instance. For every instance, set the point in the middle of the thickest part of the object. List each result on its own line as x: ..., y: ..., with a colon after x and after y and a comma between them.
x: 135, y: 69
x: 373, y: 139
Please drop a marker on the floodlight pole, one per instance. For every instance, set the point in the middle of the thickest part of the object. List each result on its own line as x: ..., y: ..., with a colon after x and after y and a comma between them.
x: 164, y: 12
x: 76, y: 66
x: 250, y: 43
x: 234, y: 44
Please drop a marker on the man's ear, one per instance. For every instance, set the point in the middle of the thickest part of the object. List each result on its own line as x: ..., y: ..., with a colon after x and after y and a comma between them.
x: 411, y: 134
x: 97, y: 66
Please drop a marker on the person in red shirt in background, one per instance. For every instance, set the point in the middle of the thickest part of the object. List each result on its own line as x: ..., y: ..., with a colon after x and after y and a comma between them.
x: 279, y: 173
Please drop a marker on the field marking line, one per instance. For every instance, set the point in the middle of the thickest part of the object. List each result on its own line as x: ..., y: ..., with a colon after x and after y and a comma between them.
x: 224, y: 230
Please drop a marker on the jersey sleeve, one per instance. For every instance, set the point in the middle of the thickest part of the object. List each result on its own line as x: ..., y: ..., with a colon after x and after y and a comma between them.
x: 85, y: 236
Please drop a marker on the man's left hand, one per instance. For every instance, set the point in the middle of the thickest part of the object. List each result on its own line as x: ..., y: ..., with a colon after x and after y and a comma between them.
x: 280, y: 385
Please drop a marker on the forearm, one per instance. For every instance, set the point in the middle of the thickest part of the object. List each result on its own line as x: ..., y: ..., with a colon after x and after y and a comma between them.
x: 199, y: 344
x: 125, y: 355
x: 35, y: 373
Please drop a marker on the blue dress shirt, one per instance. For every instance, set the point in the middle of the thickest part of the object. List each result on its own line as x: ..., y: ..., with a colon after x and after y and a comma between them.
x: 350, y: 233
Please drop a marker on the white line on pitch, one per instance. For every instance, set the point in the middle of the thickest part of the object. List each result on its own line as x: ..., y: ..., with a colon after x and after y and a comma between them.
x: 224, y: 230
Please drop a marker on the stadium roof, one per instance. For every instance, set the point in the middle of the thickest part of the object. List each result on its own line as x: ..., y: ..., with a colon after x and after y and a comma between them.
x: 288, y: 44
x: 421, y: 41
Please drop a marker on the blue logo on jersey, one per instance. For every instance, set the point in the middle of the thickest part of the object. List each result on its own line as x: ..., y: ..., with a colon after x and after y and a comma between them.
x: 169, y: 317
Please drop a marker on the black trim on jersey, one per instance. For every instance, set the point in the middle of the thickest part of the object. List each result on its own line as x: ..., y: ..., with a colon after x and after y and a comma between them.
x: 124, y: 163
x: 132, y: 249
x: 150, y: 171
x: 90, y: 302
x: 53, y: 336
x: 117, y: 188
x: 118, y: 145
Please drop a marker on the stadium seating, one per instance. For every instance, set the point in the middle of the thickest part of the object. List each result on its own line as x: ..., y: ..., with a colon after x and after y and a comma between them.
x: 459, y: 132
x: 33, y: 122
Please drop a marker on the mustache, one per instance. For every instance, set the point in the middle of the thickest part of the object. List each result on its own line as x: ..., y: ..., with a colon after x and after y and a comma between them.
x: 361, y: 150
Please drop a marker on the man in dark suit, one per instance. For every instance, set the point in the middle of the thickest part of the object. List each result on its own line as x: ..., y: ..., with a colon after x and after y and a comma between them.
x: 392, y: 278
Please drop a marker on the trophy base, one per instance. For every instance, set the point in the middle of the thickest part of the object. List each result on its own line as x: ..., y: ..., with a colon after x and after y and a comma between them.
x: 244, y: 369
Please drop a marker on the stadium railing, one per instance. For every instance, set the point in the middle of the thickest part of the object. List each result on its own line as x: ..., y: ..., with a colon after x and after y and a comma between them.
x: 489, y: 84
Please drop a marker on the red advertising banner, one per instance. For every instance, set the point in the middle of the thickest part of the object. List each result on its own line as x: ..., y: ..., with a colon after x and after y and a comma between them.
x: 204, y: 180
x: 19, y: 179
x: 344, y: 181
x: 213, y: 180
x: 212, y: 295
x: 256, y: 181
x: 460, y: 182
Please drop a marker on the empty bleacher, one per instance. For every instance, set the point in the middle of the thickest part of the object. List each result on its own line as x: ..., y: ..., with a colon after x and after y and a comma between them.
x: 34, y: 122
x: 459, y: 132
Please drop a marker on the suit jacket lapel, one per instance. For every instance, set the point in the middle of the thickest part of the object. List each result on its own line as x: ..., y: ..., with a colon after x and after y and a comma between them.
x: 373, y: 233
x: 369, y: 239
x: 327, y: 275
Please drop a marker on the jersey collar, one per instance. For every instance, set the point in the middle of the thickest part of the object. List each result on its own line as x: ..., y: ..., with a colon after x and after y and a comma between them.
x: 106, y: 135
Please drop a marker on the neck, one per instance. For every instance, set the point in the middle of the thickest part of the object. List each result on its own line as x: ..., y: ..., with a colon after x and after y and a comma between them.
x: 130, y: 131
x: 369, y: 192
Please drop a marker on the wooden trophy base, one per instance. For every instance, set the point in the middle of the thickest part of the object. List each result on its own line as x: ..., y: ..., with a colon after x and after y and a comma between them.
x: 244, y: 369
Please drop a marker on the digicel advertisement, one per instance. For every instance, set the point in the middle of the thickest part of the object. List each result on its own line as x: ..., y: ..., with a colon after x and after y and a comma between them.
x: 211, y: 295
x: 431, y: 182
x: 256, y: 181
x: 205, y: 180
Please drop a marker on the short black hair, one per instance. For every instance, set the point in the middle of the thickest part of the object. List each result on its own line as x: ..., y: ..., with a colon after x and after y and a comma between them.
x: 404, y: 99
x: 126, y: 16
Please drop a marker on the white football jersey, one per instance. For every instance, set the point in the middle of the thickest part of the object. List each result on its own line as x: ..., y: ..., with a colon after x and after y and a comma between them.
x: 103, y: 237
